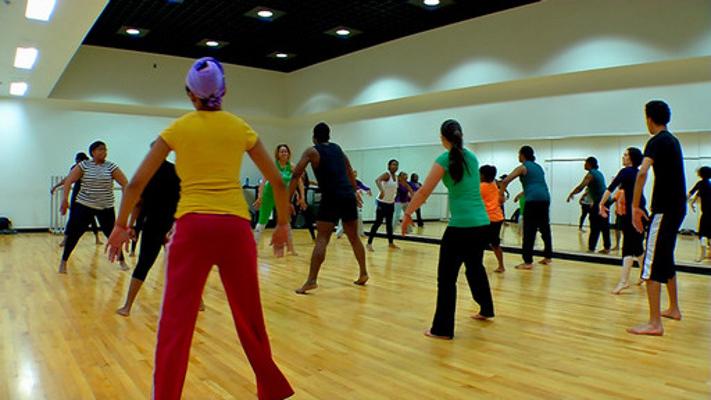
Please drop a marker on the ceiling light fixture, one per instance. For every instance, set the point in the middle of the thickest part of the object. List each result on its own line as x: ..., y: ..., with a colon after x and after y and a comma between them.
x: 25, y: 57
x: 431, y: 3
x: 18, y: 88
x: 133, y: 31
x: 40, y: 10
x: 281, y: 55
x: 343, y: 32
x: 212, y: 43
x: 265, y: 13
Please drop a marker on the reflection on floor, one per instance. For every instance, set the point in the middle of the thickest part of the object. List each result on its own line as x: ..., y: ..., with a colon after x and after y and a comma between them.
x: 566, y: 238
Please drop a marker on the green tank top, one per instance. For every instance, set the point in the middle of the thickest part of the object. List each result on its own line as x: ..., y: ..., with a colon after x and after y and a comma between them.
x: 285, y: 172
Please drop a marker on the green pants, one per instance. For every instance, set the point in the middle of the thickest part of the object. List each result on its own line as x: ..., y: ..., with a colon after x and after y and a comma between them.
x: 265, y: 210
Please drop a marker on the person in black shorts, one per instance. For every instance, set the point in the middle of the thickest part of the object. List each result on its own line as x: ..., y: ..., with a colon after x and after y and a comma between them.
x: 664, y: 154
x: 633, y: 244
x: 702, y: 192
x: 339, y: 201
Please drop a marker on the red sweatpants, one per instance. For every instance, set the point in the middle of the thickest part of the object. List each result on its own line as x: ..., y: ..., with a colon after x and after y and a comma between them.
x: 199, y: 242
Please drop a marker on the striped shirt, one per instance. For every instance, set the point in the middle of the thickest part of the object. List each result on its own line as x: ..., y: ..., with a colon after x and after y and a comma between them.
x: 97, y: 185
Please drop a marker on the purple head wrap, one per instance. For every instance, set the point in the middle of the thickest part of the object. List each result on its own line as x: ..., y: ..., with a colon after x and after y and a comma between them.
x: 206, y: 80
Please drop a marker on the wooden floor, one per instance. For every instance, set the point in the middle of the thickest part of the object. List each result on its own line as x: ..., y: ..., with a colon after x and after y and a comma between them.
x: 568, y: 239
x: 558, y: 333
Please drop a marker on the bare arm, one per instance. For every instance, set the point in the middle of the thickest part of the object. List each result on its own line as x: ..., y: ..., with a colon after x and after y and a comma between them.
x: 603, y: 210
x: 637, y: 212
x: 306, y: 158
x: 585, y: 182
x: 120, y: 177
x: 262, y: 160
x: 518, y: 171
x: 75, y: 174
x: 60, y: 183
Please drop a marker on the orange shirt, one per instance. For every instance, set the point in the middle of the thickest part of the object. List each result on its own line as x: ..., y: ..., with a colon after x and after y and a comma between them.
x: 620, y: 202
x: 490, y: 195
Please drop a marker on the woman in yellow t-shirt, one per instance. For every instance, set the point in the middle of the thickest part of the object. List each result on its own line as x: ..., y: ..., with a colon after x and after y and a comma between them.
x: 211, y: 228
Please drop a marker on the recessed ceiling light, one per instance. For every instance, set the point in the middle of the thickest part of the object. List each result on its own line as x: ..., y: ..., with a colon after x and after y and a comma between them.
x: 133, y: 31
x: 264, y: 14
x: 430, y: 3
x: 18, y: 88
x: 40, y: 10
x: 282, y: 55
x: 343, y: 32
x: 25, y: 57
x: 212, y: 43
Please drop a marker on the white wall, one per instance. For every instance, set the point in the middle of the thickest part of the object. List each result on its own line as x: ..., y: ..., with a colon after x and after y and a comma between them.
x: 40, y: 138
x: 562, y: 160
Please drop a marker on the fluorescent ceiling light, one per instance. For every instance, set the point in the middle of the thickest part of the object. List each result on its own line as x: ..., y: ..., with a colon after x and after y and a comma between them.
x: 18, y: 88
x: 40, y: 10
x: 25, y: 57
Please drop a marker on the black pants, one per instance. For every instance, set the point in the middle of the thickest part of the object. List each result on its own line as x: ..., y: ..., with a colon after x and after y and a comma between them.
x: 536, y: 218
x: 461, y: 245
x: 92, y: 223
x: 584, y: 211
x: 385, y: 212
x: 420, y: 222
x: 79, y: 219
x: 598, y: 225
x: 137, y: 229
x: 155, y: 227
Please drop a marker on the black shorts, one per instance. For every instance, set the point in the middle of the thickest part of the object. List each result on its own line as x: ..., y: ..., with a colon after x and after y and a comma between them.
x: 659, y: 263
x: 632, y: 241
x: 705, y: 225
x: 494, y: 233
x: 334, y: 209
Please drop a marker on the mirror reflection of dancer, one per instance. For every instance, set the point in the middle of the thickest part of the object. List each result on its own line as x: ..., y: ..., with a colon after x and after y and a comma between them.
x: 467, y: 232
x: 701, y: 192
x: 212, y: 228
x: 402, y: 198
x: 387, y: 183
x: 633, y: 241
x: 594, y: 181
x: 492, y: 200
x: 663, y: 153
x: 536, y: 213
x: 361, y: 189
x: 75, y: 192
x: 95, y: 199
x: 416, y: 185
x: 339, y: 201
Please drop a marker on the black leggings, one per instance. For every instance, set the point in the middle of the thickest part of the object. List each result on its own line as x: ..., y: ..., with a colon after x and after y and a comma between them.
x: 152, y: 238
x: 536, y: 217
x: 79, y: 220
x: 598, y: 225
x: 461, y: 245
x: 420, y: 222
x: 384, y: 211
x: 584, y: 211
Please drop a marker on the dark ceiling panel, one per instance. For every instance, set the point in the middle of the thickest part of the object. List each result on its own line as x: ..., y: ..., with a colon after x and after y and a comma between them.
x: 175, y: 28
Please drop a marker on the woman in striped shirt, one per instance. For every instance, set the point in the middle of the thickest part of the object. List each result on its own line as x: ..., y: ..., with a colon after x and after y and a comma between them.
x: 95, y: 199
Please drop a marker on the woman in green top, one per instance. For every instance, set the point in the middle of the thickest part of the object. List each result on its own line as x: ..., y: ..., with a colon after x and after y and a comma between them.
x: 265, y: 198
x: 466, y: 235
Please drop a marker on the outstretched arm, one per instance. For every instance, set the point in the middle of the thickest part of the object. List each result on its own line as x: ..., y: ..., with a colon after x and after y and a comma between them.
x: 585, y: 182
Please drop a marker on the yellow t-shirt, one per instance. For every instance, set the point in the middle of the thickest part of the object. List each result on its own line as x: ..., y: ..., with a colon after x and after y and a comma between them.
x: 209, y: 146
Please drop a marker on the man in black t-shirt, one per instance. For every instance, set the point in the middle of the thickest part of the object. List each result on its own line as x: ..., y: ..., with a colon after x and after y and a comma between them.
x: 339, y: 201
x: 664, y: 154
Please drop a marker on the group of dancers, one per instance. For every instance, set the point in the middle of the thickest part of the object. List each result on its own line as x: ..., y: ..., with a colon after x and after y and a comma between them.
x: 200, y: 202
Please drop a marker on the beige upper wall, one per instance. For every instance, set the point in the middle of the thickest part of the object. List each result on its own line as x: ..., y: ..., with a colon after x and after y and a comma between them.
x: 549, y: 38
x: 111, y: 76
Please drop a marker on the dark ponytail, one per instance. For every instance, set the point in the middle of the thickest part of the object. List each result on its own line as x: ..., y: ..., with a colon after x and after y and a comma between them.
x: 452, y: 131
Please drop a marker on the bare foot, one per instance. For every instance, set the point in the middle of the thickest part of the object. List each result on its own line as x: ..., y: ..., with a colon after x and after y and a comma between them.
x: 646, y: 329
x: 62, y: 267
x: 293, y: 253
x: 361, y: 281
x: 672, y: 314
x: 604, y: 251
x: 370, y: 247
x: 480, y: 317
x: 524, y: 266
x: 98, y: 242
x: 132, y: 254
x: 124, y: 266
x: 428, y: 333
x: 307, y: 286
x: 500, y: 270
x: 620, y: 287
x: 61, y: 244
x: 393, y: 246
x: 125, y: 311
x: 640, y: 282
x: 546, y: 261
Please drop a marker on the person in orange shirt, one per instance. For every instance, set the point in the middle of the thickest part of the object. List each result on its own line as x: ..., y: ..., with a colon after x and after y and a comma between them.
x: 212, y: 228
x: 490, y: 194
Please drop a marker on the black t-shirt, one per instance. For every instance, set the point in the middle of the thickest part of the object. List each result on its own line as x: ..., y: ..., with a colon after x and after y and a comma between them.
x: 331, y: 173
x: 161, y: 195
x: 704, y: 188
x: 669, y: 194
x: 625, y: 179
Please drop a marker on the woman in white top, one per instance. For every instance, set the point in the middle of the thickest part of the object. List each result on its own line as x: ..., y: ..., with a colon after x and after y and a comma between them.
x: 387, y: 183
x: 95, y: 199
